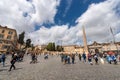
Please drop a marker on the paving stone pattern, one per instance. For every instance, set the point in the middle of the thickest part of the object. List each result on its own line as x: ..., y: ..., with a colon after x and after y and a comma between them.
x: 53, y: 69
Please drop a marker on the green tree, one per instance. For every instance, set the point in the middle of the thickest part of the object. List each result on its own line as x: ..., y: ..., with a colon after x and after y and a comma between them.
x: 21, y: 39
x: 32, y: 45
x: 59, y: 48
x: 28, y: 43
x: 51, y: 47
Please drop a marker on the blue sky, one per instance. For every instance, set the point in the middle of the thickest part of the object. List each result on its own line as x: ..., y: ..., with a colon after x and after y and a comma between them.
x: 68, y: 11
x: 47, y: 21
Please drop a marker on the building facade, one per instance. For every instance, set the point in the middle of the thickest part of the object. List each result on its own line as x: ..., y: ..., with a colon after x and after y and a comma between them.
x: 73, y: 49
x: 8, y: 39
x: 105, y: 47
x: 101, y: 47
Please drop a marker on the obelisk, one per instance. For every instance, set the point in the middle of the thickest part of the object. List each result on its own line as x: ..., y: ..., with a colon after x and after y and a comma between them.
x: 85, y: 41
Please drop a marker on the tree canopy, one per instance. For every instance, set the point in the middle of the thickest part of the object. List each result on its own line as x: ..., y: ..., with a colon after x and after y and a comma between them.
x: 51, y: 47
x: 59, y: 48
x: 28, y: 43
x: 21, y: 38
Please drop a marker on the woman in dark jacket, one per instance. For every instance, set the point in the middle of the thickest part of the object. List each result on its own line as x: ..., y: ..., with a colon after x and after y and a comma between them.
x: 14, y: 59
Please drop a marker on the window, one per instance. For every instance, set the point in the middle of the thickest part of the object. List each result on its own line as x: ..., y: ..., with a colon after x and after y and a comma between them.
x: 3, y: 31
x: 0, y: 41
x: 10, y: 32
x: 7, y: 42
x: 118, y: 48
x: 15, y: 37
x: 108, y: 48
x: 8, y: 37
x: 1, y: 36
x: 4, y: 47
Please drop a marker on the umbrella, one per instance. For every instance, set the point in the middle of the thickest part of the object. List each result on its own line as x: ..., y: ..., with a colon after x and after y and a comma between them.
x: 111, y: 53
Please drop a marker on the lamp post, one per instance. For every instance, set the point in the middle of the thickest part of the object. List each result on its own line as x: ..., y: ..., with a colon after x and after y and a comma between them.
x: 114, y: 38
x: 61, y: 44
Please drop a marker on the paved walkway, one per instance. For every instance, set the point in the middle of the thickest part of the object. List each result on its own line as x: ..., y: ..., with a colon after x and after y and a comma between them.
x: 53, y: 69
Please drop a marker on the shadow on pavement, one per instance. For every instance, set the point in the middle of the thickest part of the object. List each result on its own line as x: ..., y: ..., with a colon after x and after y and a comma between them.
x: 7, y: 66
x: 18, y: 68
x: 3, y: 70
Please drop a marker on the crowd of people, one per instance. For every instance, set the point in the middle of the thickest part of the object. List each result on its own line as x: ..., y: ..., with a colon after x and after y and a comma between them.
x: 90, y: 58
x: 66, y: 58
x: 15, y: 57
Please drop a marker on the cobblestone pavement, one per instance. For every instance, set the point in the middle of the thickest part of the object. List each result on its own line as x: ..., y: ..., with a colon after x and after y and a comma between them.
x: 53, y: 69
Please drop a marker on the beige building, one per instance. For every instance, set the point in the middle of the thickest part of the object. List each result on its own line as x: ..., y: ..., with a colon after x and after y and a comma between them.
x: 102, y: 47
x: 40, y: 48
x: 94, y: 46
x: 73, y: 49
x: 8, y: 39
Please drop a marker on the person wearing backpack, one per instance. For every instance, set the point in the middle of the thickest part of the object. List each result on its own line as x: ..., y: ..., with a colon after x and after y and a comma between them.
x: 96, y: 58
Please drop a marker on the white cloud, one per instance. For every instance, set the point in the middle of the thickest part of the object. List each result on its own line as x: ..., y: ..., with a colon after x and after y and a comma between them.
x: 58, y: 34
x: 117, y: 37
x: 36, y: 11
x: 11, y: 14
x: 69, y: 3
x: 96, y: 20
x: 45, y: 10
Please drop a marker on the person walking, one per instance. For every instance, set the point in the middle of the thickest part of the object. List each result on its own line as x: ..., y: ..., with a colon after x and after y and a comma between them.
x: 14, y: 59
x: 73, y: 58
x: 3, y: 59
x: 32, y: 58
x: 62, y: 57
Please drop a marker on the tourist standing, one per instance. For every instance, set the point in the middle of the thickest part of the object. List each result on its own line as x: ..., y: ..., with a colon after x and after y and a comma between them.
x: 96, y: 58
x: 114, y: 58
x: 3, y: 59
x: 84, y: 57
x: 65, y: 58
x: 73, y: 58
x: 90, y: 58
x: 33, y: 57
x: 62, y: 57
x: 0, y: 58
x: 119, y: 58
x: 79, y: 57
x: 101, y: 58
x: 68, y: 59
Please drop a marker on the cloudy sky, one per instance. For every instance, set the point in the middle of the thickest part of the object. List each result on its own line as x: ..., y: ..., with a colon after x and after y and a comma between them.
x: 61, y: 21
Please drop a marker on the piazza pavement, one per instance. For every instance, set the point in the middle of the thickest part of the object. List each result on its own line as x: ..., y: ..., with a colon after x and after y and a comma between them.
x: 53, y: 69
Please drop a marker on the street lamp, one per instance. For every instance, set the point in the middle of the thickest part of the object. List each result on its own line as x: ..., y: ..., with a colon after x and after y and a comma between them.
x: 114, y: 38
